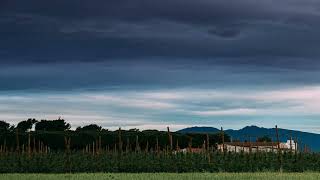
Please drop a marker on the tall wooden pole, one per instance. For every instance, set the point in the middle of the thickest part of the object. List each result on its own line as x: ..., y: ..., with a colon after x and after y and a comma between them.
x: 34, y: 145
x: 170, y: 138
x: 17, y: 140
x: 157, y: 145
x: 250, y: 145
x: 128, y: 145
x: 279, y: 150
x: 291, y: 144
x: 177, y: 146
x: 120, y: 141
x: 93, y: 148
x: 208, y: 142
x: 222, y: 136
x: 278, y: 142
x: 137, y: 144
x: 100, y: 145
x: 272, y: 145
x: 190, y: 144
x: 29, y: 145
x: 147, y: 147
x: 295, y: 146
x: 5, y: 145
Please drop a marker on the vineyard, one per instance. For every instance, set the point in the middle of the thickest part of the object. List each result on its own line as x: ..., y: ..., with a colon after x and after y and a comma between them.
x: 52, y: 150
x: 62, y: 162
x: 165, y: 176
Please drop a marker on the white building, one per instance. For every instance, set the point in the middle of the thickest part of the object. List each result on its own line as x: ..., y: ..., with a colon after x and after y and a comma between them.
x: 290, y: 145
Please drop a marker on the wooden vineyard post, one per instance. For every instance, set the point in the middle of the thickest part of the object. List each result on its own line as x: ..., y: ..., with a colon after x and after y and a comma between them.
x: 115, y: 150
x: 100, y: 145
x: 67, y: 142
x: 290, y: 144
x: 190, y: 144
x: 235, y: 148
x: 177, y: 146
x: 39, y: 147
x: 208, y: 142
x: 272, y: 149
x: 42, y: 147
x: 250, y: 145
x: 279, y: 149
x: 29, y: 145
x: 97, y: 146
x: 147, y: 147
x: 157, y: 145
x: 22, y: 149
x: 137, y: 144
x: 295, y: 146
x: 204, y: 146
x: 208, y: 148
x: 69, y: 154
x: 222, y: 136
x: 257, y: 145
x: 34, y: 145
x: 278, y: 142
x: 17, y: 140
x: 120, y: 140
x: 170, y: 139
x: 128, y: 145
x: 243, y: 144
x: 5, y: 146
x: 93, y: 148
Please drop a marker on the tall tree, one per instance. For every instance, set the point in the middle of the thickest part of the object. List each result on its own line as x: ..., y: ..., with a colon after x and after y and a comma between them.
x: 91, y: 127
x: 24, y: 126
x: 52, y: 125
x: 4, y: 126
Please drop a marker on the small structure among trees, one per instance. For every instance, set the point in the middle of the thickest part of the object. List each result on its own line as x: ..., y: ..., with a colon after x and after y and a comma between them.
x: 248, y: 147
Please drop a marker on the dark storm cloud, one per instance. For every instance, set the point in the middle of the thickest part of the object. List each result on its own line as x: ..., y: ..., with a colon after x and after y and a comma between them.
x: 255, y: 36
x: 147, y: 63
x: 146, y: 28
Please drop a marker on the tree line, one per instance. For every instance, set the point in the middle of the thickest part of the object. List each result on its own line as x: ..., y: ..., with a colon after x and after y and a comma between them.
x: 53, y: 133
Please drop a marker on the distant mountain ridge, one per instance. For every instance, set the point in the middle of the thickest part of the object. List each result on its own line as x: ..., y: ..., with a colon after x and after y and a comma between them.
x: 304, y: 138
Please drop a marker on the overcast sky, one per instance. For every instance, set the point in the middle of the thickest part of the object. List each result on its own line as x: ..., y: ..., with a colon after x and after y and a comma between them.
x: 150, y: 63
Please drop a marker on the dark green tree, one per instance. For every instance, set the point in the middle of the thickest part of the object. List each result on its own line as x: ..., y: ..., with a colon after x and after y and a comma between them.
x: 4, y: 126
x: 91, y: 127
x: 52, y: 125
x: 24, y: 126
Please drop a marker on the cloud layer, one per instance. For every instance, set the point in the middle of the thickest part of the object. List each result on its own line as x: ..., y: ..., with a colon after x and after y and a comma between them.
x: 150, y: 63
x: 177, y: 108
x: 59, y: 31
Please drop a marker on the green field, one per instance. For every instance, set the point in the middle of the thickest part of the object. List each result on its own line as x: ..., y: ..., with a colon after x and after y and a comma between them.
x: 164, y: 176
